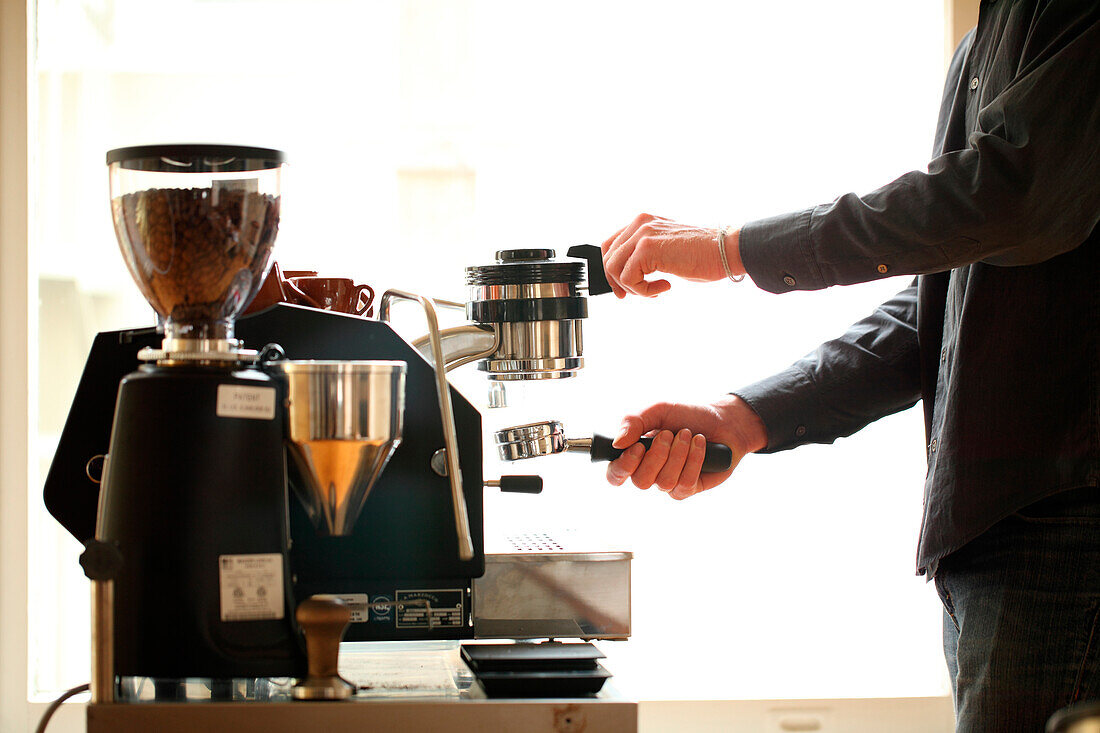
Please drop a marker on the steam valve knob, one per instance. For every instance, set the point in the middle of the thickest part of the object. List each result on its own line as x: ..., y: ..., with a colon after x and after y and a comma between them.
x: 323, y: 619
x: 517, y: 484
x: 101, y: 560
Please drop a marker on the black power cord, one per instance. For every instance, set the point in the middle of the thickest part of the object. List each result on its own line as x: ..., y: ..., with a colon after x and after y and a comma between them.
x: 45, y: 719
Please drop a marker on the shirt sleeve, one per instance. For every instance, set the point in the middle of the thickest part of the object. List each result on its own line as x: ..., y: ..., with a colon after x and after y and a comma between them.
x: 869, y: 372
x: 1024, y: 189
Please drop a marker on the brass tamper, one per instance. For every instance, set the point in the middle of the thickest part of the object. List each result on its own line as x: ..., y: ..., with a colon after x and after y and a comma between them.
x: 323, y: 619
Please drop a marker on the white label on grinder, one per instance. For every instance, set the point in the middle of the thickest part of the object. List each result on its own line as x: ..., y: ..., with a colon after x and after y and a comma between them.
x: 255, y: 403
x: 245, y: 185
x: 251, y: 586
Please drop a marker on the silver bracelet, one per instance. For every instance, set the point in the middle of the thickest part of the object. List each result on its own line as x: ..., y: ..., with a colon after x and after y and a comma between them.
x: 721, y: 239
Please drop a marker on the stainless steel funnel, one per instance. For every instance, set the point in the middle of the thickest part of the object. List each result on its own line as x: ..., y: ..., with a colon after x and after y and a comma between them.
x: 344, y: 422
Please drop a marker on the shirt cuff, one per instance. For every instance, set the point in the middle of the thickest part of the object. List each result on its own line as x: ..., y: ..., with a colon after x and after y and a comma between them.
x: 786, y: 403
x: 778, y: 253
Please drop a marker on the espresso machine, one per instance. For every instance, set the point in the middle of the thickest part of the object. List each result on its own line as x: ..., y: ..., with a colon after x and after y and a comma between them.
x: 229, y: 497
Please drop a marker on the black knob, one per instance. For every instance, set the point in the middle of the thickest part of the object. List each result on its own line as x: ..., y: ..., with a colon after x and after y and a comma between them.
x: 100, y: 560
x: 524, y: 255
x: 521, y: 484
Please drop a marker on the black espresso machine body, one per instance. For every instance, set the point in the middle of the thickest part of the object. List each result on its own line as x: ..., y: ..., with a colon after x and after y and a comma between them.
x: 404, y: 545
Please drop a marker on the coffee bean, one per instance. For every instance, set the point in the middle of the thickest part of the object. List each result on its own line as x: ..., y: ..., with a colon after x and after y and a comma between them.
x: 197, y: 254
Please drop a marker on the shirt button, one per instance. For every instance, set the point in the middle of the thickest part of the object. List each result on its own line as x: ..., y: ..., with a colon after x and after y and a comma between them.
x: 943, y: 356
x: 789, y: 280
x: 932, y: 447
x: 883, y: 269
x: 800, y: 431
x: 974, y: 83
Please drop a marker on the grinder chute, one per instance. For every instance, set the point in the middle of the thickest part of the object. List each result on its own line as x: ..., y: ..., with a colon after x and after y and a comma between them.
x: 344, y: 421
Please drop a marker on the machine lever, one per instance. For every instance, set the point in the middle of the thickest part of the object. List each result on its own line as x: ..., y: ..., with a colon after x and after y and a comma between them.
x: 597, y: 277
x: 446, y: 412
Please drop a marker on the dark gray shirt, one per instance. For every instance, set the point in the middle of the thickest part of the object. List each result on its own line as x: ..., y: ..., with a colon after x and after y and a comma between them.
x: 998, y: 332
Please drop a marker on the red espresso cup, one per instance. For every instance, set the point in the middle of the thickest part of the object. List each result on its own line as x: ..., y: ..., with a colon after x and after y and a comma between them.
x: 338, y: 294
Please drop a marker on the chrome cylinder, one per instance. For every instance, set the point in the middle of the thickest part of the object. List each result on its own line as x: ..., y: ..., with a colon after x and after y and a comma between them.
x: 536, y: 350
x: 537, y: 304
x: 103, y: 642
x: 524, y: 291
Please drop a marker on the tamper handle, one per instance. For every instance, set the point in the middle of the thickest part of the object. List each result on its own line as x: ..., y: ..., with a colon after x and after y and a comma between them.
x: 323, y: 619
x: 718, y: 457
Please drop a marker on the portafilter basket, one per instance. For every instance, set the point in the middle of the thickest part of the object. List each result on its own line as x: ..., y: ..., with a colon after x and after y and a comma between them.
x: 344, y: 421
x: 548, y: 437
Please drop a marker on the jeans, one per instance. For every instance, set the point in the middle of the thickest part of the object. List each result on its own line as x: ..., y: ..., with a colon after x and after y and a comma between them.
x: 1021, y: 629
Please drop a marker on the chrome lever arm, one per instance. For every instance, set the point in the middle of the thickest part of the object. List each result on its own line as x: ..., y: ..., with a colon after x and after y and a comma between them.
x: 462, y: 344
x: 450, y: 437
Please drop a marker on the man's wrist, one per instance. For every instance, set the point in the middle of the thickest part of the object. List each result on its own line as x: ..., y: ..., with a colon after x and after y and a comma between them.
x: 733, y: 251
x: 744, y: 420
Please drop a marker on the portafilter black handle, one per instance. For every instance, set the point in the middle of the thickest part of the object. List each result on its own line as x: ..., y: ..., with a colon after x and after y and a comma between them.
x: 597, y: 278
x: 718, y: 457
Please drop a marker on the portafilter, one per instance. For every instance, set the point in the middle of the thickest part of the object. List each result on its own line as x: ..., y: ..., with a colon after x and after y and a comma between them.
x: 548, y: 437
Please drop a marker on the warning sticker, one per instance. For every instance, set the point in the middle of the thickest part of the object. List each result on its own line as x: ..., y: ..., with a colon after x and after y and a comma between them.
x: 251, y: 586
x: 256, y: 403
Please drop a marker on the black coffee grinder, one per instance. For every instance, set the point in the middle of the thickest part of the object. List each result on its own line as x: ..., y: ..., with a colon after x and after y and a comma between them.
x: 194, y: 486
x: 200, y: 562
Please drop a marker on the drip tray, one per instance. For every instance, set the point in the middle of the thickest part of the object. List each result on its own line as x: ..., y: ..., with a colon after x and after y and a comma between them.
x: 545, y: 586
x: 550, y: 669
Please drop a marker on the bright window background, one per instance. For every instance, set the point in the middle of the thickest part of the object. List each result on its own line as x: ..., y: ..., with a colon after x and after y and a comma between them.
x: 423, y: 135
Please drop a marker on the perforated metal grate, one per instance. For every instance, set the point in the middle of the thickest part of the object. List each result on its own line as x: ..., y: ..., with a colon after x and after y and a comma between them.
x: 534, y: 542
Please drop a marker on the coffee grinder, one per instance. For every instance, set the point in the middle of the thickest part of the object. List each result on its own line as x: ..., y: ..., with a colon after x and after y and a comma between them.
x: 194, y: 490
x: 203, y: 440
x: 194, y: 486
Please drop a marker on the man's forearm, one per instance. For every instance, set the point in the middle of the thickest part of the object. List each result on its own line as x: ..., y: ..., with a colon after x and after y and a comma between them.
x: 871, y: 371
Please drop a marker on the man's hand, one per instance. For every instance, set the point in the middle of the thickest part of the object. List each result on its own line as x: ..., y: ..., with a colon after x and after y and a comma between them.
x: 651, y: 244
x: 681, y: 433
